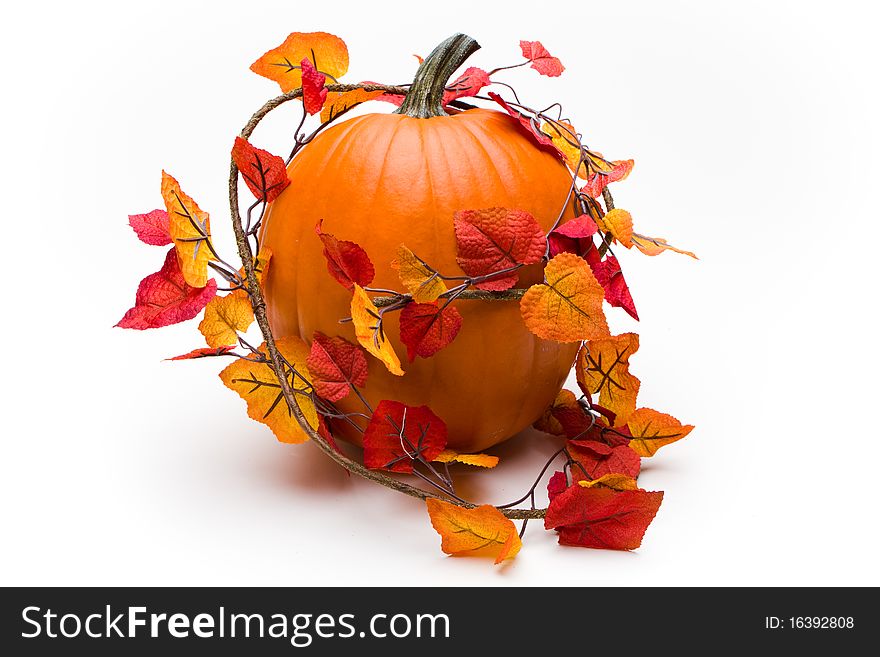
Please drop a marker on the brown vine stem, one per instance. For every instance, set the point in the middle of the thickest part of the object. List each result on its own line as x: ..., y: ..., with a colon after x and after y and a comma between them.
x: 473, y: 295
x: 607, y: 237
x: 259, y: 305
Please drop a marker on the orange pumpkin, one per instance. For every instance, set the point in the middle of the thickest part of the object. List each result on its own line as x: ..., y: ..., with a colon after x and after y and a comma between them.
x: 384, y: 179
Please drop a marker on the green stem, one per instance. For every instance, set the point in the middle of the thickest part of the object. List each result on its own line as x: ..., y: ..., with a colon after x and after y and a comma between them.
x: 425, y: 97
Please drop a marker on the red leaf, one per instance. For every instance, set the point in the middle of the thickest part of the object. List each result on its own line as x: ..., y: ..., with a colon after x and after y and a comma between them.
x: 398, y: 434
x: 526, y: 122
x: 151, y: 228
x: 542, y: 61
x: 574, y: 236
x: 205, y: 352
x: 336, y: 365
x: 467, y: 84
x: 602, y: 517
x: 347, y: 262
x: 165, y: 298
x: 314, y: 91
x: 610, y: 277
x: 556, y: 485
x: 264, y: 173
x: 597, y: 459
x: 425, y: 328
x: 601, y: 179
x: 494, y: 239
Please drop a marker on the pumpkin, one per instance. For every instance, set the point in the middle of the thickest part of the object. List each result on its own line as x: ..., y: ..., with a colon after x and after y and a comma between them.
x: 382, y: 180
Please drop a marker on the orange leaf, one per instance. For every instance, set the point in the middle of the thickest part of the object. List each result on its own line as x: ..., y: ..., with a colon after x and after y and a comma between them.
x: 225, y: 317
x: 651, y: 430
x: 655, y: 245
x: 190, y: 229
x: 255, y: 382
x: 603, y: 369
x: 338, y: 103
x: 613, y: 480
x: 261, y: 265
x: 481, y: 460
x: 419, y: 279
x: 568, y: 308
x: 565, y: 417
x: 369, y: 330
x: 327, y: 52
x: 620, y: 224
x: 481, y: 528
x: 565, y: 138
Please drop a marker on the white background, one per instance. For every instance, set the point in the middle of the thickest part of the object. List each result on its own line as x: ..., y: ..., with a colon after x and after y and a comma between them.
x: 754, y: 130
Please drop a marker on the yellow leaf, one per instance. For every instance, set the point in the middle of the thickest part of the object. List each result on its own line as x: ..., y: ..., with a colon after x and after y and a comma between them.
x: 261, y: 266
x: 565, y: 138
x: 612, y: 480
x: 568, y: 308
x: 603, y: 369
x: 481, y: 460
x: 338, y: 103
x: 620, y: 224
x: 483, y: 528
x: 255, y: 382
x: 651, y: 430
x: 369, y: 331
x: 420, y: 281
x: 327, y: 52
x: 225, y: 317
x: 655, y: 245
x: 190, y: 228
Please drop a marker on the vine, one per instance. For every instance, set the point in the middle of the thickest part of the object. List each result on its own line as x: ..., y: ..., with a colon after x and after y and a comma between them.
x: 604, y: 441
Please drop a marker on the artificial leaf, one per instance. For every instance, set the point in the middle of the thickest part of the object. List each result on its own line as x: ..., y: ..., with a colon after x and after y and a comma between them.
x: 256, y: 383
x: 205, y: 352
x: 226, y: 317
x: 557, y: 484
x: 328, y: 54
x: 190, y: 228
x: 151, y: 228
x: 422, y: 282
x: 166, y: 298
x: 655, y: 245
x: 603, y: 369
x: 467, y: 84
x: 481, y: 528
x: 601, y: 517
x: 610, y: 277
x: 594, y: 459
x: 261, y: 266
x: 398, y: 435
x: 314, y: 92
x: 574, y: 236
x: 495, y: 239
x: 565, y: 417
x: 542, y: 61
x: 425, y: 328
x: 565, y: 138
x: 613, y: 480
x: 347, y: 262
x: 369, y: 331
x: 480, y: 460
x: 605, y: 174
x: 264, y: 174
x: 529, y: 124
x: 568, y: 306
x: 336, y: 366
x: 651, y: 430
x: 620, y: 224
x: 338, y: 103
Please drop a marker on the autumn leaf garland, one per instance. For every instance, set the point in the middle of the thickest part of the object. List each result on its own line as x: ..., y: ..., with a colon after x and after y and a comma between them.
x: 595, y: 499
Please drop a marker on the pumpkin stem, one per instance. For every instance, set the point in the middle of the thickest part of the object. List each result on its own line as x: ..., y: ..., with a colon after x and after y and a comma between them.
x: 425, y: 96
